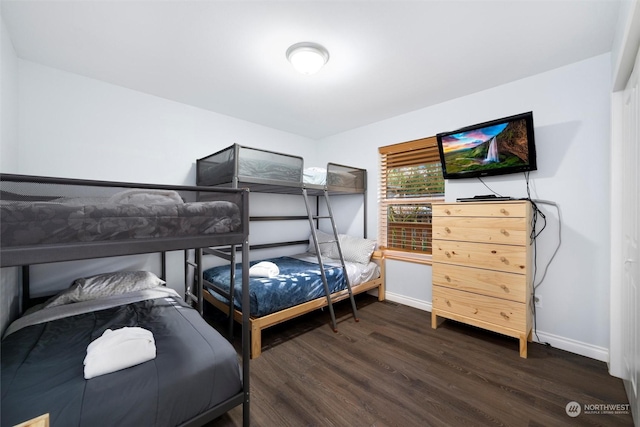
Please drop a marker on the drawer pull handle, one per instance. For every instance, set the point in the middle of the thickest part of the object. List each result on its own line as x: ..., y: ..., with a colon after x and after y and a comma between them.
x: 504, y: 211
x: 447, y: 211
x: 447, y: 278
x: 503, y: 259
x: 505, y: 232
x: 447, y: 230
x: 447, y: 254
x: 475, y: 311
x: 447, y: 302
x: 503, y: 314
x: 504, y: 288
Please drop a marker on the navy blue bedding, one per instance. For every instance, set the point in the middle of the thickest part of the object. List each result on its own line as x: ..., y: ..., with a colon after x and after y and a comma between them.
x: 299, y: 281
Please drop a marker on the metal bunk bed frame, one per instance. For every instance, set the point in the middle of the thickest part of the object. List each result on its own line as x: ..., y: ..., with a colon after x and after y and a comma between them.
x: 237, y: 179
x: 40, y: 254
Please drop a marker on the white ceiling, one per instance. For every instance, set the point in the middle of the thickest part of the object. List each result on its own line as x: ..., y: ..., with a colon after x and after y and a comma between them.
x: 387, y: 57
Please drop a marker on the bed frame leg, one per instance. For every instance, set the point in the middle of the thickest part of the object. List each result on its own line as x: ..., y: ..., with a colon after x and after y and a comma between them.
x: 256, y: 340
x: 381, y: 292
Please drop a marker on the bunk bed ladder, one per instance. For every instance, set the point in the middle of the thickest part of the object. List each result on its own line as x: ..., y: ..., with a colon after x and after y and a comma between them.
x: 319, y: 255
x: 339, y: 246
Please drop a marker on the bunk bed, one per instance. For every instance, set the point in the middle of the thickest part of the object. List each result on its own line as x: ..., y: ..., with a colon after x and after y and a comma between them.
x: 194, y: 375
x: 266, y: 171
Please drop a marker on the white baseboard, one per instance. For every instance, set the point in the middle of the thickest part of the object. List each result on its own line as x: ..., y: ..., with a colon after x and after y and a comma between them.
x: 411, y: 302
x: 567, y: 344
x: 573, y: 346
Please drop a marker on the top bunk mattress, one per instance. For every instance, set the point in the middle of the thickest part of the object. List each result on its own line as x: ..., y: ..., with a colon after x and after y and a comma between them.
x: 271, y: 172
x: 49, y: 214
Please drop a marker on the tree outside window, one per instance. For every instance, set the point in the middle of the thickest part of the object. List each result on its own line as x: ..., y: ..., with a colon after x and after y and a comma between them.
x: 411, y: 179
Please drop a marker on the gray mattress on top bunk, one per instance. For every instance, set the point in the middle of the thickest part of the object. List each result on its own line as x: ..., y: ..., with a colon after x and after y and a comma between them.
x: 32, y: 223
x: 249, y: 165
x: 128, y: 214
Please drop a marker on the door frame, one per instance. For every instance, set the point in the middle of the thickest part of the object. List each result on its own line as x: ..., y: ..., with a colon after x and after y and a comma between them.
x: 624, y: 327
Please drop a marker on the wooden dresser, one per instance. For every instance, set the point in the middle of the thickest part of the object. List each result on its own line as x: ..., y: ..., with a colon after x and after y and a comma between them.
x: 482, y: 266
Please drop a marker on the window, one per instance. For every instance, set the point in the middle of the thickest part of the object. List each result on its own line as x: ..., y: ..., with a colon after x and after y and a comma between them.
x: 410, y: 180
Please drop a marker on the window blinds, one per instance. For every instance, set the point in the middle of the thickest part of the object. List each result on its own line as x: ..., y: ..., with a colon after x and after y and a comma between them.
x: 410, y: 180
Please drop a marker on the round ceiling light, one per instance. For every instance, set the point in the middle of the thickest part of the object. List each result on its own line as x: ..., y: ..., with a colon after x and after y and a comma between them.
x: 307, y: 57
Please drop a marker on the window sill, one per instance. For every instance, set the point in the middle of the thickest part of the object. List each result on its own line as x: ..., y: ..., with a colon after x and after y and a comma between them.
x: 417, y: 258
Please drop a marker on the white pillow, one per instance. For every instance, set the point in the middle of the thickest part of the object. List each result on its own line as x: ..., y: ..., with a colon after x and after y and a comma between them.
x: 356, y: 249
x: 314, y: 175
x: 326, y: 249
x: 103, y: 285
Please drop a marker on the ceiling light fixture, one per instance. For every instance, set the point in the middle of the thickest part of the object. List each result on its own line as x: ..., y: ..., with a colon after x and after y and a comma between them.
x: 307, y: 57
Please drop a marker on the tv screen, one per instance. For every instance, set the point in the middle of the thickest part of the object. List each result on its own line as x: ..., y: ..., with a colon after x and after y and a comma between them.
x: 492, y: 148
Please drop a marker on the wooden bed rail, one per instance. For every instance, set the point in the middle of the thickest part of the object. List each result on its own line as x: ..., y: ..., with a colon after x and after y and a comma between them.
x: 257, y: 324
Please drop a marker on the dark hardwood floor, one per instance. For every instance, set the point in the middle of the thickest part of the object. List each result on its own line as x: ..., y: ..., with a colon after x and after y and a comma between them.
x: 393, y: 369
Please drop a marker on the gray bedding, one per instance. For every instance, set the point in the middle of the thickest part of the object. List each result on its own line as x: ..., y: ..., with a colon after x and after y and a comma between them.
x: 42, y: 370
x: 71, y: 221
x: 265, y: 170
x: 253, y: 169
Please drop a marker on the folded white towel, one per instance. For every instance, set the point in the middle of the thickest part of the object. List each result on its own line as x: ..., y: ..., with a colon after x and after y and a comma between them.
x: 264, y: 269
x: 119, y: 349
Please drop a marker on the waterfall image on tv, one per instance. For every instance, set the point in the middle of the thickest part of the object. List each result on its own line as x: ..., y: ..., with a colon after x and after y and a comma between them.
x: 497, y: 147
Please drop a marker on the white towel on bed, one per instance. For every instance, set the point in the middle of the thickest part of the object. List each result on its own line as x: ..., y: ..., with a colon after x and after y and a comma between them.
x: 264, y: 269
x: 118, y: 349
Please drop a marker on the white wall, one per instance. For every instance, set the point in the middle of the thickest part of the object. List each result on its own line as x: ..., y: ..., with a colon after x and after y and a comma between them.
x: 571, y: 107
x: 8, y: 103
x: 9, y: 277
x: 72, y: 126
x: 75, y: 127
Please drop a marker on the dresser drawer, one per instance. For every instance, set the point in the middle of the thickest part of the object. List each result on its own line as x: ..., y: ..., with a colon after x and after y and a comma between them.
x: 479, y: 309
x: 487, y: 282
x: 477, y: 209
x: 507, y: 258
x: 510, y: 231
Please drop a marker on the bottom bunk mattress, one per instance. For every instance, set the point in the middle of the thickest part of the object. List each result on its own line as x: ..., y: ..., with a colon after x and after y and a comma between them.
x: 299, y: 280
x: 194, y: 369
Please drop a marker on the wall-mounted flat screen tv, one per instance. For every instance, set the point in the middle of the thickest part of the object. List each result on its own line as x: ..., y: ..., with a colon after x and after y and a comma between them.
x: 497, y: 147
